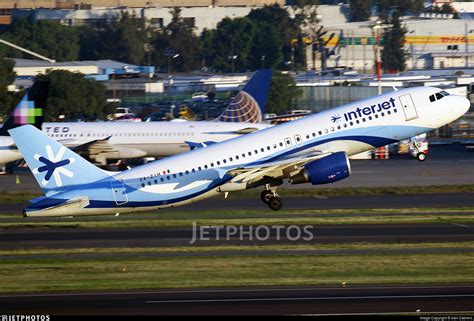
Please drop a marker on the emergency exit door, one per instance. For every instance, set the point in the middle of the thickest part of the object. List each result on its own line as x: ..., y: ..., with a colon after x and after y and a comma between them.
x: 408, y: 107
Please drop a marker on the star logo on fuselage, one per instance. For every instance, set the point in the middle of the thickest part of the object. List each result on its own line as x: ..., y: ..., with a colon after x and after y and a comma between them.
x: 54, y: 165
x: 335, y: 119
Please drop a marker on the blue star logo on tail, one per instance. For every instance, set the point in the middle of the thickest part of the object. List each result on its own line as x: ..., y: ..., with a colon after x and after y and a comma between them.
x: 53, y: 165
x: 336, y: 119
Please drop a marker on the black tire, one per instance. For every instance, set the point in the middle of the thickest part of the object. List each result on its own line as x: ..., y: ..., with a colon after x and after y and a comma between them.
x: 421, y: 157
x: 266, y: 195
x: 275, y: 203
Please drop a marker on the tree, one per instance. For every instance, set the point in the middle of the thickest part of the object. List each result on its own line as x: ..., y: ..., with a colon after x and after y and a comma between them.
x: 124, y: 38
x: 386, y: 8
x: 266, y: 50
x: 46, y: 37
x: 393, y: 54
x: 178, y: 38
x: 289, y: 31
x: 72, y: 95
x: 7, y: 76
x: 283, y: 93
x: 132, y: 37
x: 230, y: 44
x: 359, y: 10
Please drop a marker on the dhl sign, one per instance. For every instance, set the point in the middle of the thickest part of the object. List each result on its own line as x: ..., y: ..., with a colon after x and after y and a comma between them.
x: 415, y: 40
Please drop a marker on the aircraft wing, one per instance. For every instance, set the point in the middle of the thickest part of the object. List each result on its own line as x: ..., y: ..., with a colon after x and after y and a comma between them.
x: 96, y: 146
x: 278, y: 169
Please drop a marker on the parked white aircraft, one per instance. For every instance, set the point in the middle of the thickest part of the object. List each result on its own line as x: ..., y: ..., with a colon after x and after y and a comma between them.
x: 103, y: 141
x: 313, y: 149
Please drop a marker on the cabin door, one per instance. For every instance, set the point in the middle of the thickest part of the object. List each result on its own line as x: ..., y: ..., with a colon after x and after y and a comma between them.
x: 408, y: 107
x: 120, y: 194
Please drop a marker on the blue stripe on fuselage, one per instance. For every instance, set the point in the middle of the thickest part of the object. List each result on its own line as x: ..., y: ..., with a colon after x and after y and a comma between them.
x: 355, y: 134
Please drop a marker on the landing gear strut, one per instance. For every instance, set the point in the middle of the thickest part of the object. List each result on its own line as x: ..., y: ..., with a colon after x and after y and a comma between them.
x: 271, y: 198
x: 419, y: 153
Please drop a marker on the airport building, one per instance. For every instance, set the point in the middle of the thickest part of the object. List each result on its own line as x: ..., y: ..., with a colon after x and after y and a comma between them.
x: 431, y: 41
x: 7, y: 7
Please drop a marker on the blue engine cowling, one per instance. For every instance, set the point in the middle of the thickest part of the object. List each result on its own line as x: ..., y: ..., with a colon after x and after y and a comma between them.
x: 326, y: 170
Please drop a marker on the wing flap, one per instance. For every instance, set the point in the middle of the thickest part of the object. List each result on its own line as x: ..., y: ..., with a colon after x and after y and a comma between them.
x: 279, y: 169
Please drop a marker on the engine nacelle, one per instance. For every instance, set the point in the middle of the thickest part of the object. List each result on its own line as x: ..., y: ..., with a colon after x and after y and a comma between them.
x: 325, y: 170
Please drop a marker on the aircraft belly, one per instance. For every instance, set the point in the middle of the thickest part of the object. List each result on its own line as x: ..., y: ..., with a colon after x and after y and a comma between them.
x: 351, y: 147
x: 164, y: 150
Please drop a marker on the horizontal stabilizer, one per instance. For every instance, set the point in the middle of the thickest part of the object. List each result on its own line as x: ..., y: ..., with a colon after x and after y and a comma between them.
x: 66, y: 208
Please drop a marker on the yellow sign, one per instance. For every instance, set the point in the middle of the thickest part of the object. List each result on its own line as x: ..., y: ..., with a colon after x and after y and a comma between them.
x: 415, y: 40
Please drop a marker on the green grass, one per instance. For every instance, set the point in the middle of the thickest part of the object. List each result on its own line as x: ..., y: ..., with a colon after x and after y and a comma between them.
x: 176, y: 218
x: 16, y: 197
x: 224, y: 248
x: 32, y: 275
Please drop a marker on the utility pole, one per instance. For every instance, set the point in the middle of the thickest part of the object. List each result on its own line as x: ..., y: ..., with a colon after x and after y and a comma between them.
x: 466, y: 39
x: 377, y: 27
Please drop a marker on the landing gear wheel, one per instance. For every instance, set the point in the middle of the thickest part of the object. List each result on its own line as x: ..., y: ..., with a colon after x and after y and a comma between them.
x: 275, y: 203
x: 421, y: 156
x: 266, y: 195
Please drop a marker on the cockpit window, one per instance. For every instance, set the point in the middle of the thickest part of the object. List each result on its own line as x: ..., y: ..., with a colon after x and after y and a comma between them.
x: 438, y: 95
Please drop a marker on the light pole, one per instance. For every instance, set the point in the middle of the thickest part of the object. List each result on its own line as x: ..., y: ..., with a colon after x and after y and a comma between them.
x: 377, y: 27
x: 233, y: 57
x: 466, y: 38
x: 170, y: 56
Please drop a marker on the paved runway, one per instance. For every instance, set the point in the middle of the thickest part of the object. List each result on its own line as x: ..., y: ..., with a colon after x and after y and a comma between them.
x: 439, y: 200
x: 323, y: 234
x: 446, y: 165
x: 241, y: 301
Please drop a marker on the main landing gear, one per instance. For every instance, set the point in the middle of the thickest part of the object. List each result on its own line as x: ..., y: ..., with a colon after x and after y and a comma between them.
x: 271, y: 198
x: 420, y: 155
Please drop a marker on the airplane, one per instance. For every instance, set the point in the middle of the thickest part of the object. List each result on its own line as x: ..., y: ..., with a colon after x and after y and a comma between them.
x: 103, y: 141
x: 313, y: 149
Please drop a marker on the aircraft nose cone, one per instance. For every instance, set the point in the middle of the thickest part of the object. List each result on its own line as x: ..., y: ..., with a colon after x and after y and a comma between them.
x: 465, y: 105
x: 460, y: 107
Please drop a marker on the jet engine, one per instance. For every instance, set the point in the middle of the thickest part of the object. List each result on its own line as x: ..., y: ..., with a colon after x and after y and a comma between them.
x: 325, y: 170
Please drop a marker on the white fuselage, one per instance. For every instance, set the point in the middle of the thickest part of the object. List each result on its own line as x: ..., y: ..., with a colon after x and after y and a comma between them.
x: 202, y: 173
x: 125, y: 140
